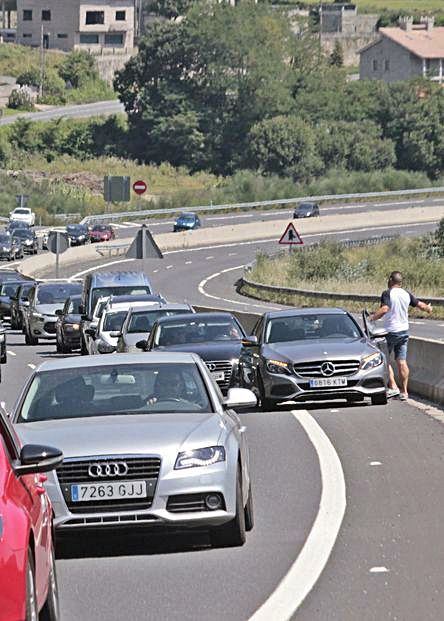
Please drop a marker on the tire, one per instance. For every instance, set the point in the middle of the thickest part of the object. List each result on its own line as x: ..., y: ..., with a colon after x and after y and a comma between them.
x: 65, y: 349
x: 30, y: 340
x: 32, y: 613
x: 14, y: 325
x: 380, y: 399
x: 267, y: 405
x: 249, y: 511
x: 232, y: 533
x: 59, y: 348
x: 51, y: 608
x: 83, y: 350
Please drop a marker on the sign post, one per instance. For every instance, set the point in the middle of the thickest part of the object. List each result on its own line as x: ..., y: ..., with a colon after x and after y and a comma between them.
x: 58, y: 243
x: 144, y: 247
x: 116, y: 189
x: 291, y: 237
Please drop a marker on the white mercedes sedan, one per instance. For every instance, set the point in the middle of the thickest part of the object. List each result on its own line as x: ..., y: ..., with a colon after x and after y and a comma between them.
x: 148, y: 440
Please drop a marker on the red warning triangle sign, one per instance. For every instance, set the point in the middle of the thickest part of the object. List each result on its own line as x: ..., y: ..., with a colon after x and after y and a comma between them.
x: 291, y: 236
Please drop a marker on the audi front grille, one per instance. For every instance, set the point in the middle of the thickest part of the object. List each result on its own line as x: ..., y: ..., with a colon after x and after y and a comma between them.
x: 75, y: 471
x: 216, y: 366
x: 335, y: 368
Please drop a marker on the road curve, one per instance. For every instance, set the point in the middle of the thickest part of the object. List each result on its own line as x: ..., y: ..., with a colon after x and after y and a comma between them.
x: 99, y: 108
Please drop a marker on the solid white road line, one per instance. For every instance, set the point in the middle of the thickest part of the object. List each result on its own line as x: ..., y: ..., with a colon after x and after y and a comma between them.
x: 378, y: 570
x: 375, y: 463
x: 31, y: 366
x: 305, y: 571
x: 11, y: 353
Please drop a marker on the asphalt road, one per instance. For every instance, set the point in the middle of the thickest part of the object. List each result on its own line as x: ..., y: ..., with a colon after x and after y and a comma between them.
x: 100, y: 108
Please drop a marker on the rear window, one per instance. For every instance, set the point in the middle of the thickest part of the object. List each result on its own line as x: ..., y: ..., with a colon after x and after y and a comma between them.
x: 113, y: 322
x: 143, y: 321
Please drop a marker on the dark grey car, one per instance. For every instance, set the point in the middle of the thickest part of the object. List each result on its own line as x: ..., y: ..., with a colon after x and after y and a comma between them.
x: 312, y: 354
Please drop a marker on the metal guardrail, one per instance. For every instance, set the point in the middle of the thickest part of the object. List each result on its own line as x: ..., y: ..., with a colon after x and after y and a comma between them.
x: 251, y: 205
x: 67, y: 216
x: 112, y: 250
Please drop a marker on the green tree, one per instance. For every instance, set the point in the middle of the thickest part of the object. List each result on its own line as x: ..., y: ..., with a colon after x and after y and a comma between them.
x: 337, y: 55
x: 78, y: 68
x: 285, y: 146
x: 171, y: 9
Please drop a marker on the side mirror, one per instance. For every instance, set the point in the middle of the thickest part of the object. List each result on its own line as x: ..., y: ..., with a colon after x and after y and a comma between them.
x: 36, y: 458
x: 115, y: 335
x: 249, y: 341
x: 90, y: 332
x: 59, y: 312
x: 240, y: 399
x: 378, y: 333
x: 141, y: 345
x: 104, y: 348
x: 82, y: 310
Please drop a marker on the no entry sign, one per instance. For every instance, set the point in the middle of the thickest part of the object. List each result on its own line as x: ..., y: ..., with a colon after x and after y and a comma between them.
x: 139, y: 187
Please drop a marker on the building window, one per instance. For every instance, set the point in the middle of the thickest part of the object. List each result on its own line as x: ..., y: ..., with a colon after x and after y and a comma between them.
x: 27, y: 35
x: 27, y: 15
x: 120, y: 16
x: 95, y: 17
x: 46, y: 16
x: 62, y: 35
x: 89, y: 39
x: 387, y: 65
x: 375, y: 65
x: 114, y: 39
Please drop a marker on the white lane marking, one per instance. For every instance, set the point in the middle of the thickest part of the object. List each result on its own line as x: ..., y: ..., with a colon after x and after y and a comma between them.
x: 155, y: 271
x: 188, y: 262
x: 378, y: 570
x: 375, y: 463
x: 31, y: 366
x: 417, y: 202
x: 244, y: 215
x: 208, y: 258
x: 305, y: 571
x: 441, y: 325
x: 232, y: 254
x: 203, y: 283
x: 418, y: 323
x: 91, y: 269
x: 169, y: 267
x: 334, y: 411
x: 437, y: 200
x: 11, y: 353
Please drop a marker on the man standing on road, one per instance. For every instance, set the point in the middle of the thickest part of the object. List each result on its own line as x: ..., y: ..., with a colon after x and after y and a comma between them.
x: 395, y: 302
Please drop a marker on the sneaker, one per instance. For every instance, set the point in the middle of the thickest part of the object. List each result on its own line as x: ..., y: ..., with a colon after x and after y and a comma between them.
x: 403, y: 396
x: 392, y: 392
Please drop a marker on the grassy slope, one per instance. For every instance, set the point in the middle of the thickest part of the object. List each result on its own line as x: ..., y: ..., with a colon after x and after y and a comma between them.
x: 15, y: 59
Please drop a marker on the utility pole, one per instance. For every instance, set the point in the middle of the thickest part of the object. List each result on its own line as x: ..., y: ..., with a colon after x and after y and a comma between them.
x: 42, y: 63
x: 4, y: 13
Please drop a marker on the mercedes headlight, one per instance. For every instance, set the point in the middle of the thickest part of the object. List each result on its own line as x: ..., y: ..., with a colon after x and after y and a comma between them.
x: 372, y: 361
x: 278, y: 366
x: 75, y: 326
x: 200, y: 457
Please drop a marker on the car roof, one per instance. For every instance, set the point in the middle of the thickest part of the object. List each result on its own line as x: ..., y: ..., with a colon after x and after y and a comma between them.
x: 59, y: 281
x: 151, y: 307
x: 291, y: 312
x: 145, y: 297
x: 118, y: 360
x: 114, y: 278
x: 194, y: 317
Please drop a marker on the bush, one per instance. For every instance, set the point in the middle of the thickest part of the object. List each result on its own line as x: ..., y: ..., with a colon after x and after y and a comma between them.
x: 53, y: 85
x: 78, y: 69
x: 22, y: 98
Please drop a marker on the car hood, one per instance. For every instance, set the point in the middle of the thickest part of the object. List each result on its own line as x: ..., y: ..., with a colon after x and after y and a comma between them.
x: 48, y: 309
x: 217, y: 350
x: 319, y: 349
x: 126, y: 434
x: 131, y: 338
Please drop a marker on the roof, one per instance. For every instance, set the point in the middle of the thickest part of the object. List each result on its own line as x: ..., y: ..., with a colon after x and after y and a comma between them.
x: 118, y: 278
x: 291, y: 312
x: 83, y: 362
x: 420, y: 42
x: 166, y: 307
x: 194, y: 317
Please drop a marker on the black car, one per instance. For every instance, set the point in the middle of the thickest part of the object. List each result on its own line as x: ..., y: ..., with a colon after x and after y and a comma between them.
x: 78, y: 234
x: 187, y: 222
x: 18, y: 302
x: 28, y: 238
x: 13, y: 225
x: 215, y: 337
x: 10, y: 247
x: 8, y: 290
x: 306, y: 210
x: 68, y: 325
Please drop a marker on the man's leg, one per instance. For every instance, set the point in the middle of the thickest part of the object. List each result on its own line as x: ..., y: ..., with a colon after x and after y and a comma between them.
x: 403, y: 374
x: 392, y: 382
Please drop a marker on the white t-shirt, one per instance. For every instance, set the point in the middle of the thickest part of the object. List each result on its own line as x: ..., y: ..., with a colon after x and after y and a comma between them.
x: 398, y: 300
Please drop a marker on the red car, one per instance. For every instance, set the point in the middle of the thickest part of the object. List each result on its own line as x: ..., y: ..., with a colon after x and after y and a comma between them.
x: 28, y: 584
x: 102, y: 232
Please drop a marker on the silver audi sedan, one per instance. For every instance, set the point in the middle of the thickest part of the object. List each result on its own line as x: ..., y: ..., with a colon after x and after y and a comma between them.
x: 148, y: 440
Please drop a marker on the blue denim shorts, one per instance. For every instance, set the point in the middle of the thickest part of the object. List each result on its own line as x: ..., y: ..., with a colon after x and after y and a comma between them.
x: 397, y: 342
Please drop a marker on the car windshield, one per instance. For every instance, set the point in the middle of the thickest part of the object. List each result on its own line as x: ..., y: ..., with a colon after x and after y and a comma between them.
x: 113, y: 322
x: 119, y: 389
x: 23, y: 233
x: 5, y: 239
x: 305, y: 207
x: 143, y: 321
x: 306, y: 327
x: 22, y: 211
x: 9, y: 289
x: 187, y: 218
x: 57, y: 293
x: 100, y: 227
x: 25, y: 290
x: 197, y: 331
x: 106, y: 292
x: 75, y: 228
x: 74, y: 306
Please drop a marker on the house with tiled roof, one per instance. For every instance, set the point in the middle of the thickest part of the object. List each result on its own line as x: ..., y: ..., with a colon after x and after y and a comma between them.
x: 410, y: 51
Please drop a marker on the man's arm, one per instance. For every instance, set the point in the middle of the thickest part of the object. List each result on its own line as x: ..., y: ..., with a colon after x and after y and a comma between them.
x: 428, y: 308
x: 379, y: 313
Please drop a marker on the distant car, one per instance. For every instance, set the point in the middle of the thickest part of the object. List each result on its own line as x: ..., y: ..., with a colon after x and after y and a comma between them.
x: 187, y: 222
x: 215, y: 337
x: 10, y: 247
x: 139, y: 321
x: 78, y: 234
x: 68, y: 325
x: 148, y: 441
x: 7, y: 274
x: 23, y: 214
x: 18, y: 302
x: 312, y: 354
x: 7, y: 292
x: 306, y: 210
x: 44, y: 299
x: 102, y: 232
x: 28, y: 581
x: 13, y: 225
x: 28, y: 238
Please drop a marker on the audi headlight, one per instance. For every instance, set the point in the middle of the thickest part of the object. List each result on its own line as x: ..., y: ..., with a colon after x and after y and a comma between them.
x: 278, y: 366
x: 200, y: 457
x: 38, y: 316
x: 372, y: 361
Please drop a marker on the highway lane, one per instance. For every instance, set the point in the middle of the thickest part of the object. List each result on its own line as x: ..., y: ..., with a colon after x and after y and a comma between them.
x: 99, y: 108
x: 388, y: 561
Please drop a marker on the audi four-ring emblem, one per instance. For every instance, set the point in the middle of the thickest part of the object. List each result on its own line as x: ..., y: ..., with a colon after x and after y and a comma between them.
x: 108, y: 469
x: 327, y: 369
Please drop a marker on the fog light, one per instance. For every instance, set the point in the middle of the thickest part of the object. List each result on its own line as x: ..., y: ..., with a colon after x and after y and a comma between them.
x: 213, y: 502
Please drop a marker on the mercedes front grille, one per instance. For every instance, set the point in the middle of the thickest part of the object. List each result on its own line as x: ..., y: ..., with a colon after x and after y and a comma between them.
x: 339, y: 368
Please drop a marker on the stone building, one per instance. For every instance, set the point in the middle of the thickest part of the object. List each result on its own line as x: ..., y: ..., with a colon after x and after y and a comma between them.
x: 410, y: 51
x: 341, y: 23
x: 94, y: 25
